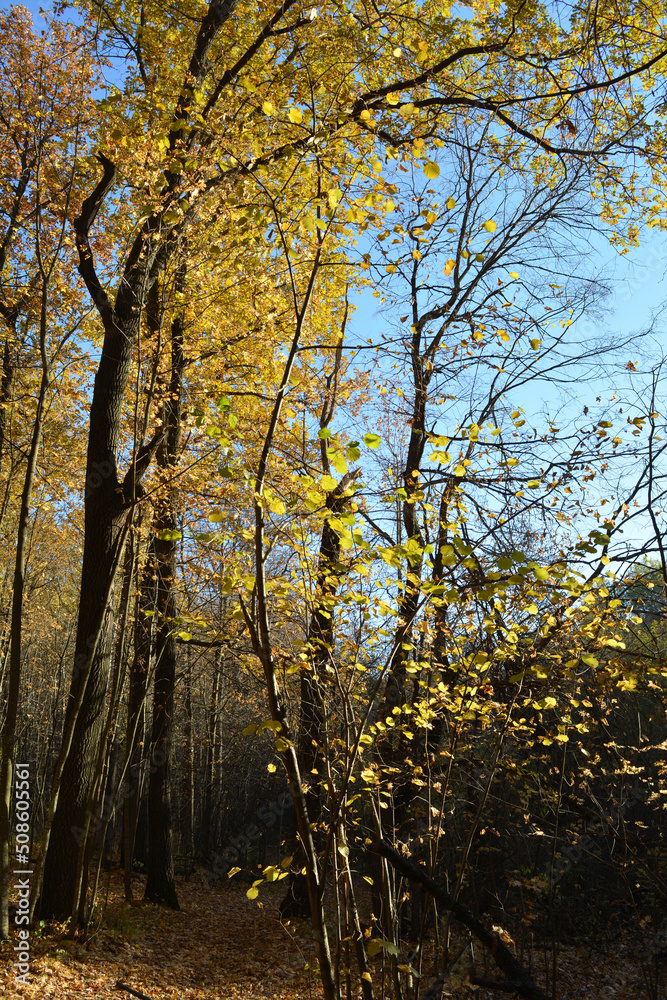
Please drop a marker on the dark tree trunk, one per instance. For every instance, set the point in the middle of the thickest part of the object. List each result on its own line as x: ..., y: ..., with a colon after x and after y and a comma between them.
x: 136, y: 715
x: 160, y: 886
x: 107, y: 503
x: 210, y: 773
x: 106, y: 498
x: 187, y: 784
x: 5, y: 390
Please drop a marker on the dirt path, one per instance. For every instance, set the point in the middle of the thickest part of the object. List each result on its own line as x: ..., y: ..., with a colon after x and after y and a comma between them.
x: 223, y: 945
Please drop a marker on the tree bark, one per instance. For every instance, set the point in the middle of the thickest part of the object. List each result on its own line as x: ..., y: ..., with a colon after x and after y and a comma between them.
x: 160, y: 885
x: 136, y: 715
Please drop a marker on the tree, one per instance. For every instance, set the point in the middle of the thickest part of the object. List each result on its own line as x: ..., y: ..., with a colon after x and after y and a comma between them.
x: 44, y: 116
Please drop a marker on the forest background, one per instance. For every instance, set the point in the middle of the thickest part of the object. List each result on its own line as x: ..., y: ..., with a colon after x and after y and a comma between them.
x: 331, y: 507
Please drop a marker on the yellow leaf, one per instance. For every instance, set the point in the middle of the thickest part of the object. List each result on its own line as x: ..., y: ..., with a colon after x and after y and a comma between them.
x: 295, y: 115
x: 490, y: 226
x: 334, y: 196
x: 328, y: 483
x: 450, y: 203
x: 271, y: 768
x: 514, y: 274
x: 535, y: 343
x: 367, y: 977
x: 268, y: 108
x: 432, y: 170
x: 459, y: 470
x: 449, y: 266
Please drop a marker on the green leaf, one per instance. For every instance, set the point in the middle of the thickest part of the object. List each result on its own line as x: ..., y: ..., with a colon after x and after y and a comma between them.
x: 169, y: 535
x: 375, y: 945
x: 372, y: 440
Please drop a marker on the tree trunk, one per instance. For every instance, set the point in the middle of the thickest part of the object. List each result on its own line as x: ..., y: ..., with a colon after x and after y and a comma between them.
x: 106, y: 503
x: 210, y: 772
x: 136, y: 715
x: 160, y: 886
x: 187, y: 783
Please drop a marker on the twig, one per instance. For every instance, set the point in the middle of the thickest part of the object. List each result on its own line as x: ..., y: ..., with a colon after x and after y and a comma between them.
x: 128, y: 989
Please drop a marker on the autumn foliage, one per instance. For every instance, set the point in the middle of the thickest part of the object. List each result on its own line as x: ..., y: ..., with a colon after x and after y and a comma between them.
x: 315, y: 570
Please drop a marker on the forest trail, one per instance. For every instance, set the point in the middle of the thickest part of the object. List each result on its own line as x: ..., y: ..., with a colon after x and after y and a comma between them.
x: 223, y: 945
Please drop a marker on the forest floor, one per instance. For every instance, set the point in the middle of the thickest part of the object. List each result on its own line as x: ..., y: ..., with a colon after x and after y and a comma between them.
x: 222, y: 944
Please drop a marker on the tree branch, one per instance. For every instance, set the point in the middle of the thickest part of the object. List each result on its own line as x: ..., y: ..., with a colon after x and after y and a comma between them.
x: 82, y: 224
x: 502, y: 956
